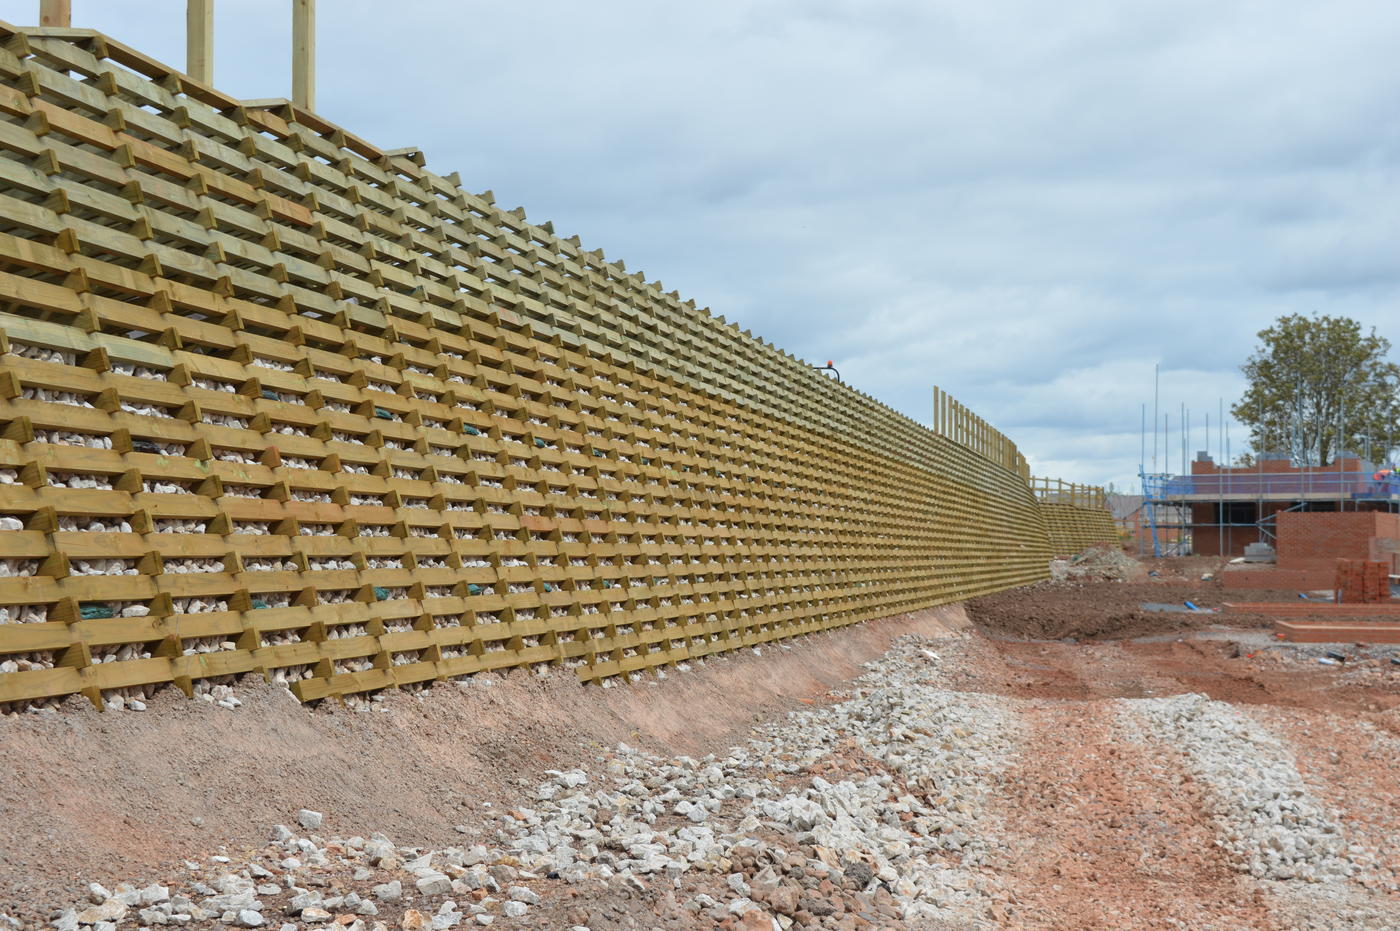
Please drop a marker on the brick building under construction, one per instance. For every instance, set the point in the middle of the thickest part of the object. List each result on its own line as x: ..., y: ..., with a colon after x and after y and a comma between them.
x: 1310, y: 516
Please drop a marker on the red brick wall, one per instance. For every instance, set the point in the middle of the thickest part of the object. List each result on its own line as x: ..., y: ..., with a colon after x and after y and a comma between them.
x: 1316, y: 540
x: 1295, y: 580
x: 1273, y: 466
x: 1385, y: 545
x: 1225, y: 541
x: 1220, y: 541
x: 1344, y: 537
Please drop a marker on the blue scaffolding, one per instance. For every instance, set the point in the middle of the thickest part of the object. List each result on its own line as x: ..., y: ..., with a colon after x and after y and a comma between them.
x: 1167, y: 520
x: 1167, y: 499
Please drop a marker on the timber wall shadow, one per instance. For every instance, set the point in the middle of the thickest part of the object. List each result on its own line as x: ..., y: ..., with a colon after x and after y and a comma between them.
x: 274, y: 400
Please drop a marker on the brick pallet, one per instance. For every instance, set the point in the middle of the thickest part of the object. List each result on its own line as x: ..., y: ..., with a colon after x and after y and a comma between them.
x: 1362, y: 581
x: 274, y: 400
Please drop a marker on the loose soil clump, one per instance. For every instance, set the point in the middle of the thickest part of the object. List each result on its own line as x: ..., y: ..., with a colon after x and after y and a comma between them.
x: 1094, y: 602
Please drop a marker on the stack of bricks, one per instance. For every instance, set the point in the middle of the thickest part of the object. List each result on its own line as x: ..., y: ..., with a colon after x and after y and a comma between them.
x: 1362, y: 581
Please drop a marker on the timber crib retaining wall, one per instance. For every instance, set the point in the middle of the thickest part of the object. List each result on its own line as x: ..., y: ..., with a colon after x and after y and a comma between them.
x: 275, y: 400
x: 1073, y: 529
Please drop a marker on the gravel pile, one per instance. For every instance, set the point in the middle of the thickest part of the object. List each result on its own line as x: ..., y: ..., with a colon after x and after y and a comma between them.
x: 916, y: 823
x: 1269, y: 823
x: 885, y: 806
x: 1100, y: 562
x: 897, y: 828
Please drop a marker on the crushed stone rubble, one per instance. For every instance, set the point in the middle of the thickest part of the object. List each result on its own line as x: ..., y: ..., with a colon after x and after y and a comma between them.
x: 1271, y: 824
x: 881, y: 809
x: 854, y: 815
x: 1098, y: 562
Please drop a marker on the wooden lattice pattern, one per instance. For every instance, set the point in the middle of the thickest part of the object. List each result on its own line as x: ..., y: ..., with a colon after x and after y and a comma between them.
x: 1074, y: 529
x: 273, y: 400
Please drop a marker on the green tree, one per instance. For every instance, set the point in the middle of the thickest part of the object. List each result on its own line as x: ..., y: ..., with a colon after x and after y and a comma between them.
x: 1320, y: 385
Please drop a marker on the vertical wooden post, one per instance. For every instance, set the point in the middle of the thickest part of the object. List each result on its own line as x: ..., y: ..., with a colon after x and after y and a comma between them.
x: 304, y: 53
x: 56, y: 13
x: 199, y: 40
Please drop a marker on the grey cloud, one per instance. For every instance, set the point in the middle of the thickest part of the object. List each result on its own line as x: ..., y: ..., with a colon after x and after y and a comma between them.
x: 1029, y: 204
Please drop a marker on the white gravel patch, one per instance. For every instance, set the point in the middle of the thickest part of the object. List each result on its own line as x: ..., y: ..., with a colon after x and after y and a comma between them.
x: 947, y: 749
x: 920, y: 830
x: 1332, y: 908
x: 1316, y: 876
x: 1270, y: 824
x: 952, y: 746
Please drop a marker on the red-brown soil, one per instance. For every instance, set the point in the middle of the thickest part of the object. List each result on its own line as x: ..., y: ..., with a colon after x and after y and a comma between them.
x: 1111, y: 835
x: 1097, y: 831
x: 110, y: 796
x: 1096, y: 610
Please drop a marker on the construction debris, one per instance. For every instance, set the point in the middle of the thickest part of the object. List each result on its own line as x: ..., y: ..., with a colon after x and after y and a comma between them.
x: 1104, y: 563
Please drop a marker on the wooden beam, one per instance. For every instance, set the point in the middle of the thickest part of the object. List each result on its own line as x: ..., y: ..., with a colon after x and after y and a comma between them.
x: 304, y: 54
x: 199, y: 40
x: 56, y: 13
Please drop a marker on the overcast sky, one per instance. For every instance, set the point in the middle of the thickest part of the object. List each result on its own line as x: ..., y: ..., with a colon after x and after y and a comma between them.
x: 1029, y: 204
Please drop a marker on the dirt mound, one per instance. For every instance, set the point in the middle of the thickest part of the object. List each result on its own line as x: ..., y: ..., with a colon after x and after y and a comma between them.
x: 1094, y: 609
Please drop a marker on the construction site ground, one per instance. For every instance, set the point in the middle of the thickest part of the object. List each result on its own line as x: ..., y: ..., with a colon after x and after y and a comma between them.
x: 1052, y: 757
